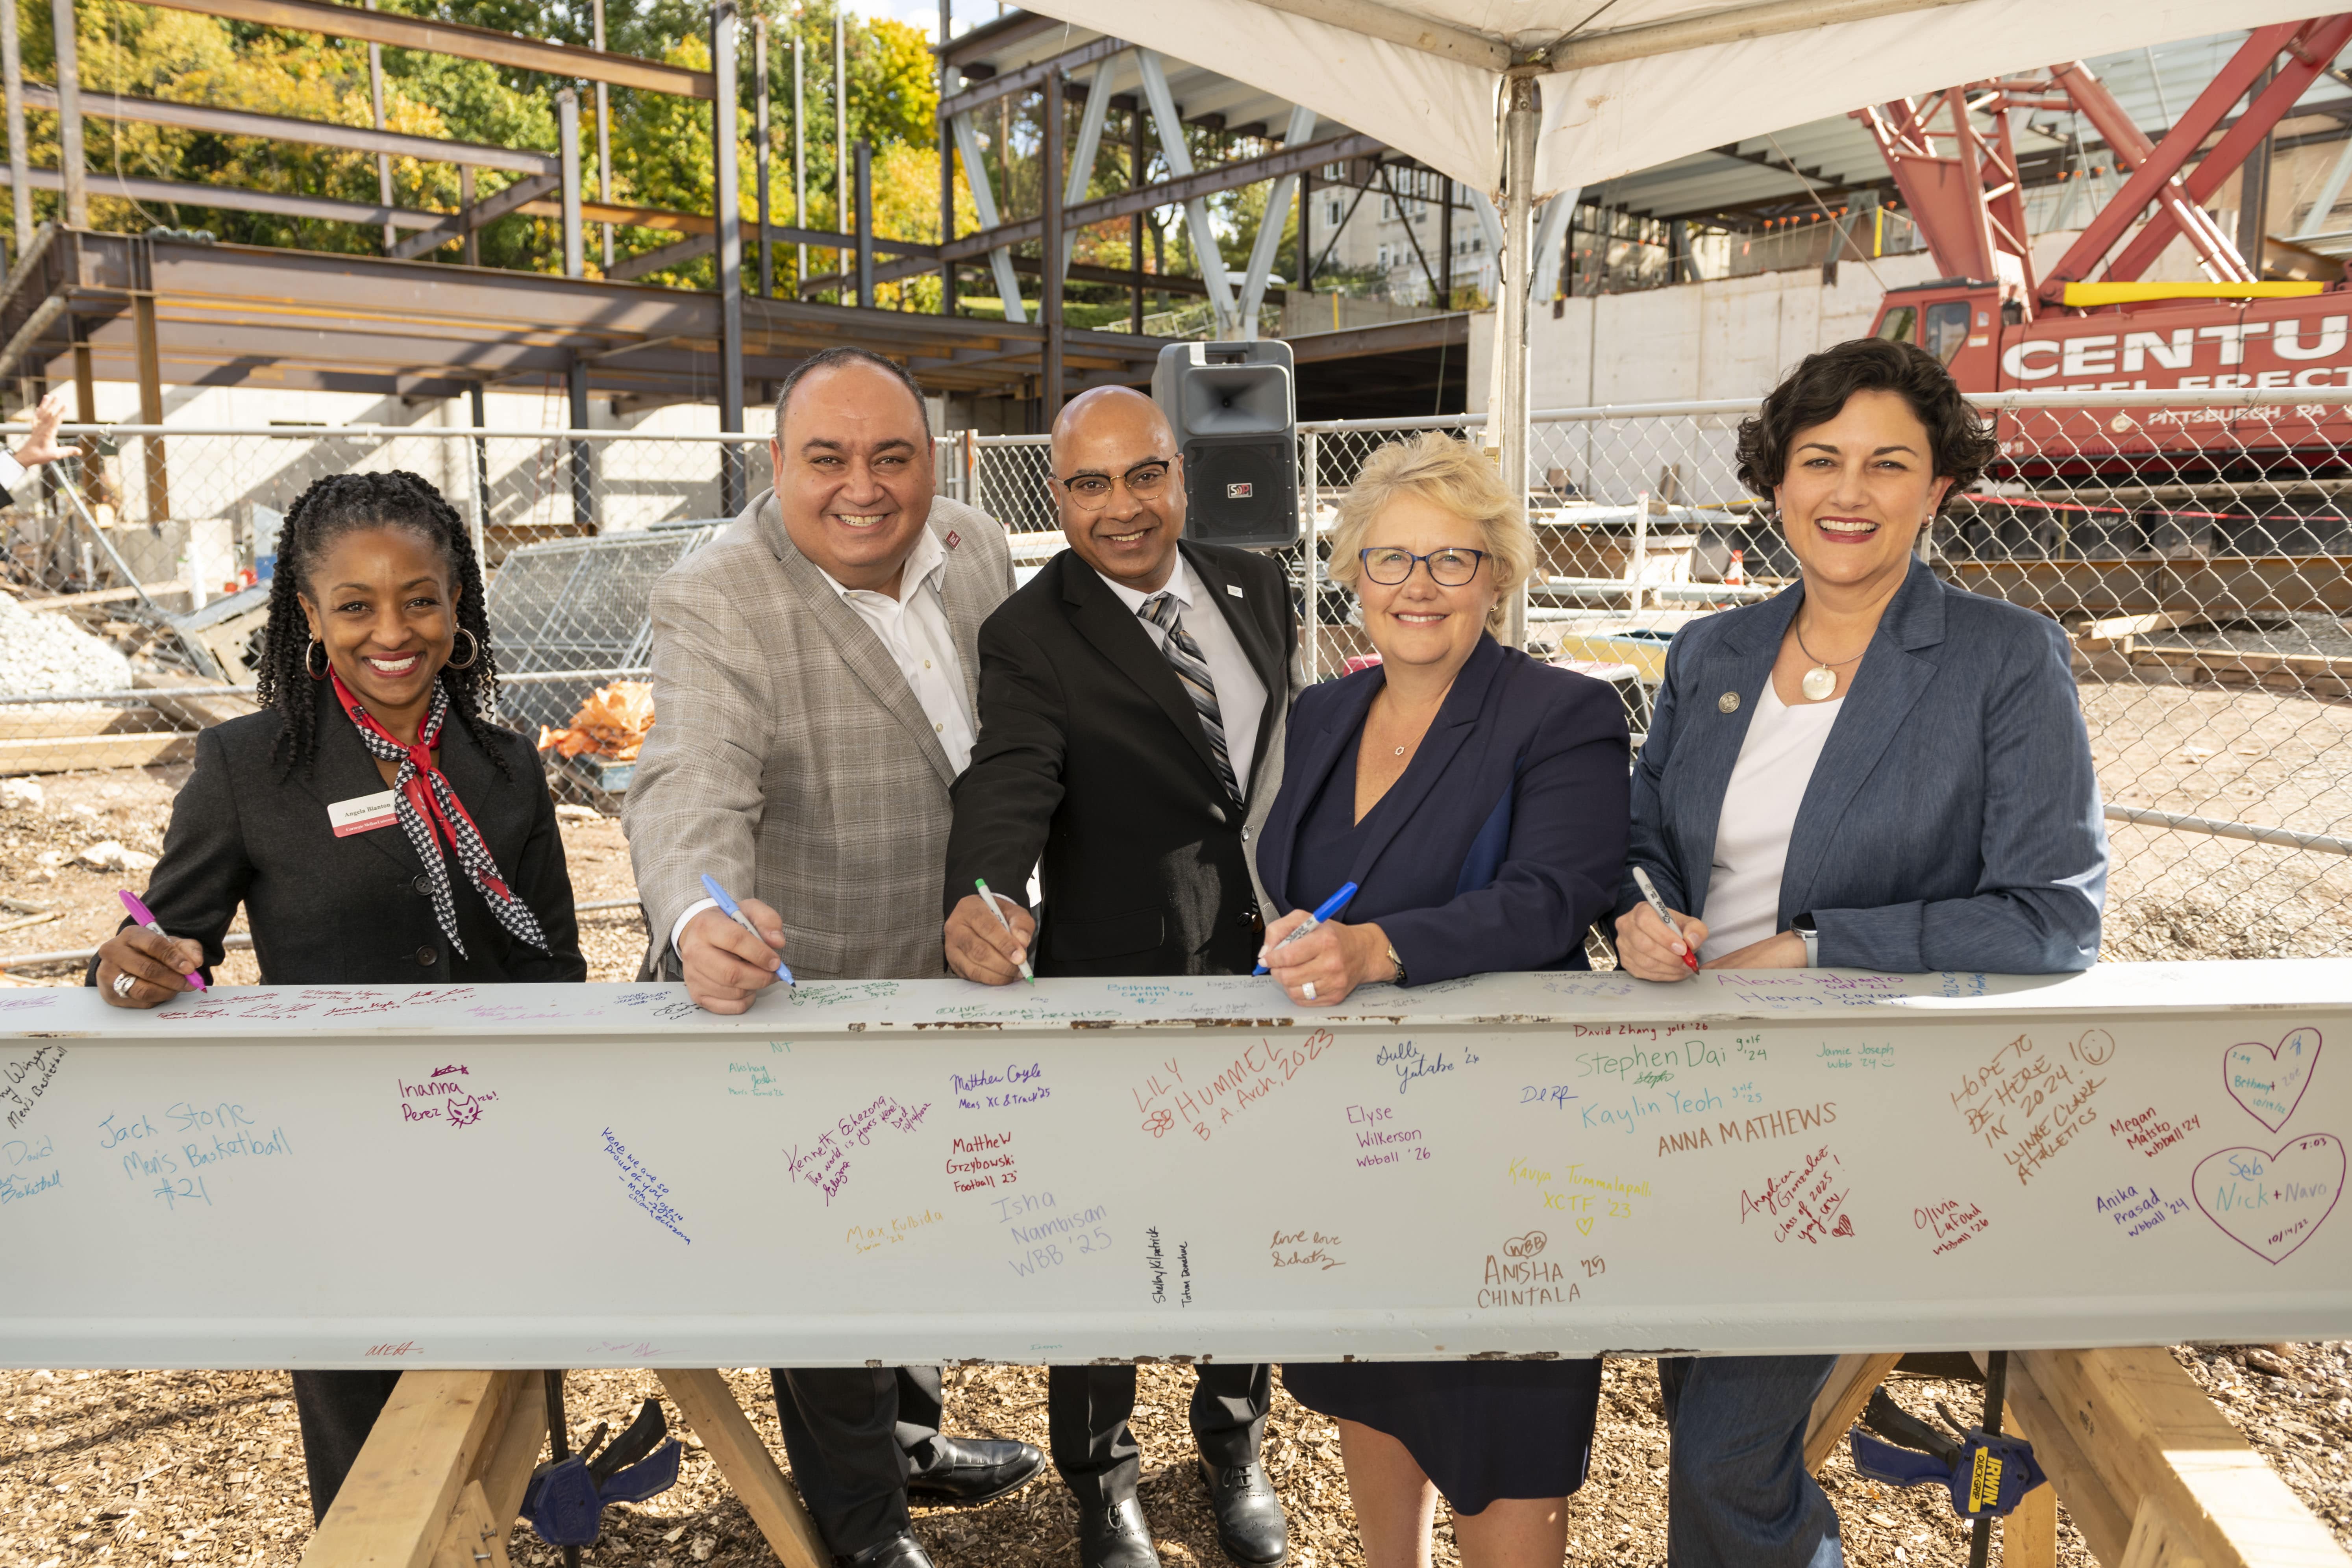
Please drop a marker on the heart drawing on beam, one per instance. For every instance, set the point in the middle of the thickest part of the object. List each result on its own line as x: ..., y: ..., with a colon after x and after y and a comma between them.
x: 2269, y: 1080
x: 2270, y: 1203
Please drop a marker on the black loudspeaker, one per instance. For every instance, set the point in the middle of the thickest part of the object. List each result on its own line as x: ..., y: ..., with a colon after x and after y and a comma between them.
x: 1236, y: 416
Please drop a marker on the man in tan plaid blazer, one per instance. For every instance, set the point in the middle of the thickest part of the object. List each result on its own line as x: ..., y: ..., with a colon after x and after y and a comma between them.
x: 814, y: 694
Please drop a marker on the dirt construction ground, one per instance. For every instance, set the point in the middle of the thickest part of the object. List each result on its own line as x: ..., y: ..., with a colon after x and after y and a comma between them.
x: 205, y: 1467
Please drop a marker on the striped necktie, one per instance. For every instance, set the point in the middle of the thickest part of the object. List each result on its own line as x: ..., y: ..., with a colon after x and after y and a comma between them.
x: 1183, y: 656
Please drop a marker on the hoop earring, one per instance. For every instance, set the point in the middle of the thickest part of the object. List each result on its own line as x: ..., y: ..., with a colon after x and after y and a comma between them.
x: 313, y: 674
x: 473, y: 647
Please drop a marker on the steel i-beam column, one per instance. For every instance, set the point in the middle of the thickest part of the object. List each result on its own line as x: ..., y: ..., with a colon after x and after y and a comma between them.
x: 71, y: 172
x: 478, y: 405
x: 864, y: 225
x: 800, y: 157
x: 727, y: 204
x: 151, y: 390
x: 567, y: 138
x: 382, y: 160
x: 760, y: 153
x: 1521, y: 118
x: 604, y: 142
x: 1135, y: 159
x: 947, y: 164
x: 1302, y: 278
x: 20, y: 173
x: 473, y: 252
x: 840, y: 135
x: 1049, y: 303
x: 583, y: 460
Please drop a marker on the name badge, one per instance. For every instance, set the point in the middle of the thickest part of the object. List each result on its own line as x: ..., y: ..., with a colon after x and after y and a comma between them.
x: 362, y: 814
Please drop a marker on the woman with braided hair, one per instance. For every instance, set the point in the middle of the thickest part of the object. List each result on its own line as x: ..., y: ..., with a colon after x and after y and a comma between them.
x: 376, y: 824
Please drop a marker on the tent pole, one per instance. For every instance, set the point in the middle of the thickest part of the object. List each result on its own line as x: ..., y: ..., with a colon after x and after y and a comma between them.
x: 1523, y: 112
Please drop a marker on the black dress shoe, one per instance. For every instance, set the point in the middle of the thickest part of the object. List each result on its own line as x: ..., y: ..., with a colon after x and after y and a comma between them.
x: 901, y: 1551
x: 1250, y: 1525
x: 1115, y: 1537
x: 965, y: 1470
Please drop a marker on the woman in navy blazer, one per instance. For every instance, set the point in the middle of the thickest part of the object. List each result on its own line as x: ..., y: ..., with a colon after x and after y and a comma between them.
x: 1871, y: 770
x: 1477, y: 799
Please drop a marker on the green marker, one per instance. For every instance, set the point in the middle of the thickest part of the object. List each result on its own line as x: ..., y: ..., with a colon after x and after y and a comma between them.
x: 990, y: 900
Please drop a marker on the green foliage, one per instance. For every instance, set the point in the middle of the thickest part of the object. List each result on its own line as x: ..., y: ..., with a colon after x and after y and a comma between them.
x: 660, y: 144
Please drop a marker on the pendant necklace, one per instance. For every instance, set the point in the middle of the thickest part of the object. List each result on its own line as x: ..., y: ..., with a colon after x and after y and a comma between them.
x: 1822, y: 679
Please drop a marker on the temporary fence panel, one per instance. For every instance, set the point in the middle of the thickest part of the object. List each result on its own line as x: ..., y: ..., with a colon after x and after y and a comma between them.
x: 579, y: 604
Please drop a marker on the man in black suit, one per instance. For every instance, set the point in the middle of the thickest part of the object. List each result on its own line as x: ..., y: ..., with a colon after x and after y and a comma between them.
x: 1131, y: 704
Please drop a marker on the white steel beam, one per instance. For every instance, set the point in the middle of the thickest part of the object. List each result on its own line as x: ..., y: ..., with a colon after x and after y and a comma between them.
x: 1270, y: 227
x: 1196, y: 211
x: 1082, y: 156
x: 983, y: 207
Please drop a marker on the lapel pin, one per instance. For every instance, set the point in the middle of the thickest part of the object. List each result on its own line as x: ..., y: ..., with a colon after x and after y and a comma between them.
x: 1727, y: 704
x: 954, y: 539
x: 1235, y: 589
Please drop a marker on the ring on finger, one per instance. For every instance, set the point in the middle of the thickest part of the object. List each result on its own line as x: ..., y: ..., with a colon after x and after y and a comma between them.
x: 1309, y: 989
x: 123, y: 984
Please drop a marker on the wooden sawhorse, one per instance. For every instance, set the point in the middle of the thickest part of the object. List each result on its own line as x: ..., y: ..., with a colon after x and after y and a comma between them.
x: 2154, y: 1476
x: 442, y: 1477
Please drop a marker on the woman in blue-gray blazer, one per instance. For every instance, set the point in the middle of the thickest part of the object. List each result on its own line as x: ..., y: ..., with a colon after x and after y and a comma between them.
x: 1871, y: 770
x: 1477, y: 799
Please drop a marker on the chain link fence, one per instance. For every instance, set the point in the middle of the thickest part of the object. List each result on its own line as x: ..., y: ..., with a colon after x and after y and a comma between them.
x: 2194, y: 545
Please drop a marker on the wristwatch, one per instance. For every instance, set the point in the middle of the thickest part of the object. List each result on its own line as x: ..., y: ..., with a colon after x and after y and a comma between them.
x: 1398, y: 978
x: 1803, y: 926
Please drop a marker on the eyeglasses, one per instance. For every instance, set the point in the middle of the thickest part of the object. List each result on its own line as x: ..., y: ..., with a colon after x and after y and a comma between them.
x: 1092, y: 492
x: 1390, y: 566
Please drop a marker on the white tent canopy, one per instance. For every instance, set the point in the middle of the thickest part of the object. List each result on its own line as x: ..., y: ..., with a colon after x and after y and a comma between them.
x: 1628, y: 84
x: 1530, y: 98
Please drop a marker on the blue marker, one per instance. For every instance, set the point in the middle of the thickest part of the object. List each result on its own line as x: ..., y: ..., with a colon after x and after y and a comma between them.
x: 1323, y: 911
x: 728, y: 907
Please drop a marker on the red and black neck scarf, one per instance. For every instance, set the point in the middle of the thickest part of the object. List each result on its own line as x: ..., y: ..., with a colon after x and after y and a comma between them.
x: 428, y: 810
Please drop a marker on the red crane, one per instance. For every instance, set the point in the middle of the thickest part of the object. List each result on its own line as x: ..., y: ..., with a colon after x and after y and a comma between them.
x: 2093, y: 323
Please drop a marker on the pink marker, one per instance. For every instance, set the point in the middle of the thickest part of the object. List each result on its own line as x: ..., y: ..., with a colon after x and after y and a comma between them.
x: 141, y: 913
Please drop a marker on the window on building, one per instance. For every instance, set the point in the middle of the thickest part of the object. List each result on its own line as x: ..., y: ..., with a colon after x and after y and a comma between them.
x: 1332, y: 214
x: 1388, y: 210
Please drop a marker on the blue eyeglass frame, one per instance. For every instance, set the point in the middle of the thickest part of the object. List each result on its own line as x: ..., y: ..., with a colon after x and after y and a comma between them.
x: 1477, y: 559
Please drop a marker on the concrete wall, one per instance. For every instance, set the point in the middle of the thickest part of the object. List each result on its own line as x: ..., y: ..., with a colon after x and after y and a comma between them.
x: 1731, y: 337
x: 1728, y: 338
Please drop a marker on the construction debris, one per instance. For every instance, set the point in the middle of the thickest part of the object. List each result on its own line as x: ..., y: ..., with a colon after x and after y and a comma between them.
x: 113, y: 854
x: 611, y: 724
x: 42, y: 652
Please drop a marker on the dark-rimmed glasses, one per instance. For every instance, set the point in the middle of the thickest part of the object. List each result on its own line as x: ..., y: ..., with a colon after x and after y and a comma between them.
x: 1390, y: 566
x: 1092, y: 492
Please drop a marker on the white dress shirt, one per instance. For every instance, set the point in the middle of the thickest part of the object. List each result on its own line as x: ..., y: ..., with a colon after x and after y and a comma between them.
x: 1782, y: 747
x: 1241, y: 696
x: 12, y: 472
x: 914, y: 628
